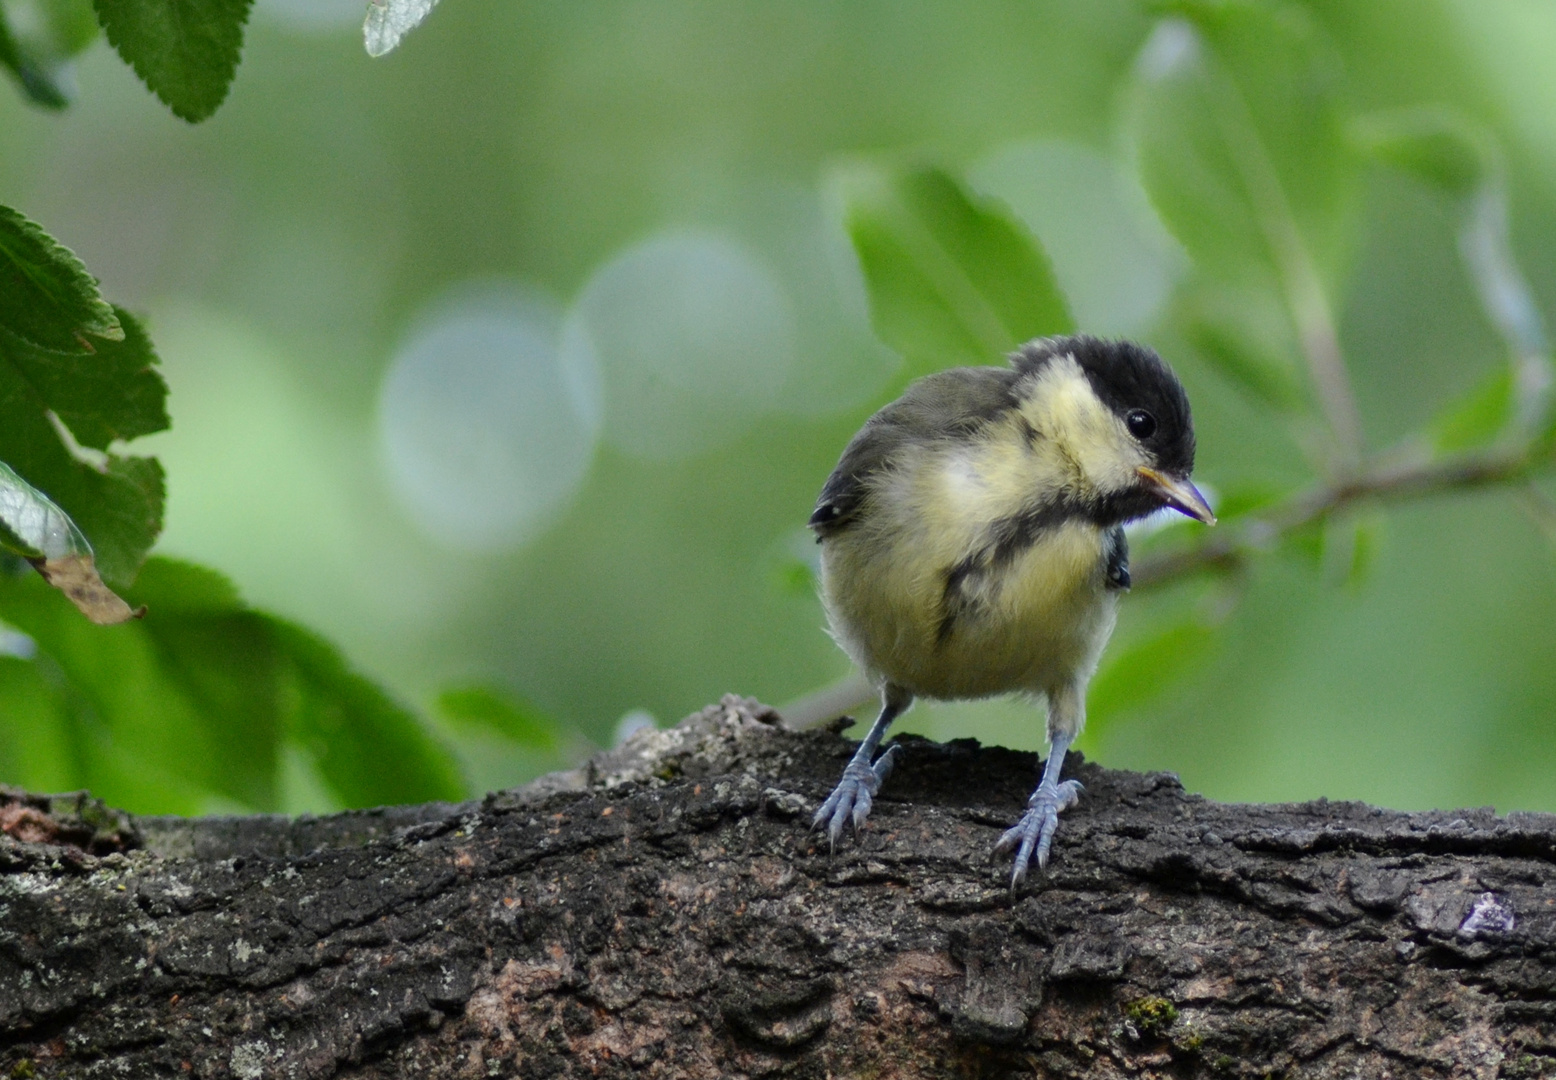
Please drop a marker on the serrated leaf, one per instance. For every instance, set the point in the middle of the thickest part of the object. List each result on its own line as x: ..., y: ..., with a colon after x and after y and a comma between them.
x: 185, y: 51
x: 485, y: 708
x: 1476, y: 418
x: 951, y: 279
x: 115, y: 393
x: 390, y: 20
x: 47, y: 298
x: 32, y: 526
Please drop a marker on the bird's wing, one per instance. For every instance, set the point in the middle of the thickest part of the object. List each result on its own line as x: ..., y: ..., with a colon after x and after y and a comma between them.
x: 945, y: 405
x: 1117, y: 554
x: 869, y: 453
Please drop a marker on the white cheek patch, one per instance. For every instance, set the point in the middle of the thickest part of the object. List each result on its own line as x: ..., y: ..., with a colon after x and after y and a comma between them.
x: 1061, y: 405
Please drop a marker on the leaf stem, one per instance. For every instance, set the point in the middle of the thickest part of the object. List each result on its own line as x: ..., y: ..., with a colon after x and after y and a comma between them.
x: 1505, y: 296
x: 1300, y: 282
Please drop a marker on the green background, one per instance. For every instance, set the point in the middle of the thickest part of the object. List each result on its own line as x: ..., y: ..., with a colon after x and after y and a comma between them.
x: 285, y: 252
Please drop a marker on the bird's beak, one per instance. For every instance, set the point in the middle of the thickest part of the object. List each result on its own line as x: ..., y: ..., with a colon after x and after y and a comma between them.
x: 1181, y: 495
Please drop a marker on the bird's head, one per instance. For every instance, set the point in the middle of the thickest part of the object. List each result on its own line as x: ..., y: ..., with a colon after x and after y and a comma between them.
x: 1119, y: 418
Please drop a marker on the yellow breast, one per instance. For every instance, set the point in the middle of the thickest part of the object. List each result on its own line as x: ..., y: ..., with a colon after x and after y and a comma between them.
x: 1038, y: 621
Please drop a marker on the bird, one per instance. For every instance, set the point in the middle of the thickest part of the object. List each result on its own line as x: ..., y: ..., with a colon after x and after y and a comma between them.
x: 972, y: 545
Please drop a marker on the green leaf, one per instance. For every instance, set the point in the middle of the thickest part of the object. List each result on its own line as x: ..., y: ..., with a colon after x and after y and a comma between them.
x: 36, y: 750
x: 55, y: 31
x: 1244, y: 334
x: 1236, y: 118
x: 1368, y: 532
x: 1134, y: 676
x: 951, y: 279
x: 1237, y: 123
x: 488, y: 709
x: 115, y: 393
x: 1347, y: 547
x: 1436, y: 145
x: 260, y: 679
x: 46, y: 296
x: 1478, y: 417
x: 185, y: 51
x: 369, y: 749
x: 196, y: 702
x: 35, y: 75
x: 75, y: 518
x: 139, y: 741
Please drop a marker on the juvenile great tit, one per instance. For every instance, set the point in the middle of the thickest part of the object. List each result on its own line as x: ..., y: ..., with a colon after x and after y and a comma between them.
x: 972, y: 543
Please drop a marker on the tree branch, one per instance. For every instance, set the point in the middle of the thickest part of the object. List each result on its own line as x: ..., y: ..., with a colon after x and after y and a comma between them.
x: 664, y: 912
x: 1385, y: 482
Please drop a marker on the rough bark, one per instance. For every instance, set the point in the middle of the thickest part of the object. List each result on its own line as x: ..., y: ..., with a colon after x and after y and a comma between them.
x: 665, y: 912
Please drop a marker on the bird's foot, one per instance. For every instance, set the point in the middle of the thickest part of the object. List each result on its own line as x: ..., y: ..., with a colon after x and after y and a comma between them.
x: 854, y: 794
x: 1034, y: 833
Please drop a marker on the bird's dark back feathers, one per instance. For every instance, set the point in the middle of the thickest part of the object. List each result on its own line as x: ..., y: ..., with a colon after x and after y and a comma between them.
x: 944, y: 405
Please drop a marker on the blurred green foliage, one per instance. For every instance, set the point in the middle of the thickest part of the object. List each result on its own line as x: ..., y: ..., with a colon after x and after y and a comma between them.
x: 950, y: 281
x: 1333, y: 217
x: 195, y: 707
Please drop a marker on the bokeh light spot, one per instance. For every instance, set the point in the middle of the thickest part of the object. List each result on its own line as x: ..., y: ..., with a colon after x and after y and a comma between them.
x: 692, y: 336
x: 1115, y: 260
x: 483, y: 435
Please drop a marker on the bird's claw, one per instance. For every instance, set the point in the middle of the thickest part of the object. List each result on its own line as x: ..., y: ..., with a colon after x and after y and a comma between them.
x: 1034, y: 833
x: 854, y: 795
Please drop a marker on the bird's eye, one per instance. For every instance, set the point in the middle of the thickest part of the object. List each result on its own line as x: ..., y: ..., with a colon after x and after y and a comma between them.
x: 1141, y: 424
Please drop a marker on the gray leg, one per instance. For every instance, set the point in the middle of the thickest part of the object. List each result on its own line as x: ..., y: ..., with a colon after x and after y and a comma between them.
x: 1034, y: 833
x: 855, y: 792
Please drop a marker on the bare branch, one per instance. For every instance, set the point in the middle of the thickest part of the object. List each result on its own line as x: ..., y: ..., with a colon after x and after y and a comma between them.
x: 1389, y: 482
x: 819, y: 706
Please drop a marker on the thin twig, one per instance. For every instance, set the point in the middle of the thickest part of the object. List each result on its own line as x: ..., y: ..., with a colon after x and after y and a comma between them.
x: 816, y: 708
x: 1381, y: 483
